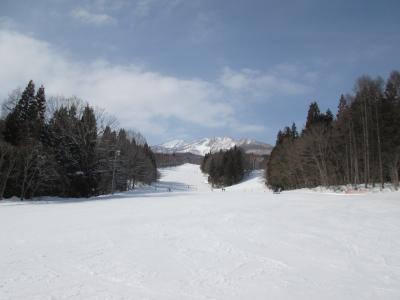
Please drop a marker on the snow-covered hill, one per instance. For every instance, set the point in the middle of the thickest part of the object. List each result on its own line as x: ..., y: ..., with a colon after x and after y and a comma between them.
x: 180, y: 239
x: 206, y: 145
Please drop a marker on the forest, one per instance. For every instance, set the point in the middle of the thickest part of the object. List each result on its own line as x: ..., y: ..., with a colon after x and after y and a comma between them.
x: 224, y: 168
x: 360, y: 145
x: 66, y: 148
x: 175, y: 159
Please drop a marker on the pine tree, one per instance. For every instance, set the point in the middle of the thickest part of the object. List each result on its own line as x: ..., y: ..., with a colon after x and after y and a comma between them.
x: 87, y: 149
x: 41, y: 104
x: 24, y: 106
x: 342, y: 107
x: 313, y: 115
x: 17, y: 128
x: 294, y: 131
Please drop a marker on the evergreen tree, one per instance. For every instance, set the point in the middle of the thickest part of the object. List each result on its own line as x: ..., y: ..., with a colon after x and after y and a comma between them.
x: 41, y: 104
x: 313, y: 115
x: 342, y: 107
x: 294, y: 131
x: 87, y: 149
x: 17, y: 128
x: 24, y: 106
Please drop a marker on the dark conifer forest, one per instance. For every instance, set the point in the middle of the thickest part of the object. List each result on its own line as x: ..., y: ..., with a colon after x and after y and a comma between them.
x: 360, y: 145
x: 69, y: 150
x: 224, y: 168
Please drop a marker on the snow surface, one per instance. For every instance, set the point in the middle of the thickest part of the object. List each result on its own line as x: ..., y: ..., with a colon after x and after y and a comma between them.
x: 194, y: 243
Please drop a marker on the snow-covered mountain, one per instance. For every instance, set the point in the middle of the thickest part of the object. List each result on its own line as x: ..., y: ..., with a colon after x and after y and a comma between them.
x: 206, y: 145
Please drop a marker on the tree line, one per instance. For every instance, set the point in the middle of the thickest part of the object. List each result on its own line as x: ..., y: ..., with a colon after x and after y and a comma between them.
x: 360, y: 145
x: 176, y: 159
x: 67, y: 150
x: 224, y: 168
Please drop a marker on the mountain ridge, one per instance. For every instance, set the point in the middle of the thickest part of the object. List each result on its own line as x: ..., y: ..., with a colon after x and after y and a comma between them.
x: 215, y: 144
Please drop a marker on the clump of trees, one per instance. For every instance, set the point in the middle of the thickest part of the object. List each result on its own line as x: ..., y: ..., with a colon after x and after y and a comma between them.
x: 360, y: 145
x: 224, y: 168
x: 67, y: 150
x: 176, y: 159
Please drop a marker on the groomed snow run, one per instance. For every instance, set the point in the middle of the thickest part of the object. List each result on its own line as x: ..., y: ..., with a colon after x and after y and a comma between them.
x: 194, y: 243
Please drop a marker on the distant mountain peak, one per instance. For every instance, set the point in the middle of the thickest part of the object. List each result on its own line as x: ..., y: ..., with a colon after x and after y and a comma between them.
x: 174, y: 143
x: 215, y: 144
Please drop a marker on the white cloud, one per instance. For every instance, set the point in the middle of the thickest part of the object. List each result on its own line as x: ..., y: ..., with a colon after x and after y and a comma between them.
x: 139, y: 98
x: 263, y: 85
x: 85, y: 16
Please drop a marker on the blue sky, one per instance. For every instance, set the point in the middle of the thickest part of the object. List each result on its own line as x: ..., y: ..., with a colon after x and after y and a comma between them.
x: 198, y: 68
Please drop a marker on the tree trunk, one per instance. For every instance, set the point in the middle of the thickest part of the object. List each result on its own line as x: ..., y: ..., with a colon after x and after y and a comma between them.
x: 379, y: 147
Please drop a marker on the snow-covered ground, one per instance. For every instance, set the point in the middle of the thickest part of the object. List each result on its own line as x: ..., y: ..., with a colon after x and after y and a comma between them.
x: 194, y: 243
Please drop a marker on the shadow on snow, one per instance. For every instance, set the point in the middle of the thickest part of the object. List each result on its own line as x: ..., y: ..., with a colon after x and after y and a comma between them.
x: 157, y: 189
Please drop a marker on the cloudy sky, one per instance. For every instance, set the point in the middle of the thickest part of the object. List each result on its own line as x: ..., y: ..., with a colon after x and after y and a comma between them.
x: 198, y: 68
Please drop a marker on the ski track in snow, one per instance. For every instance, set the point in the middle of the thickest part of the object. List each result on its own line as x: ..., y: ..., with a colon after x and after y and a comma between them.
x: 195, y: 243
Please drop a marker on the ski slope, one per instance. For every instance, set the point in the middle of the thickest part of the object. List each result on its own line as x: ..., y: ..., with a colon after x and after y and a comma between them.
x: 195, y: 243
